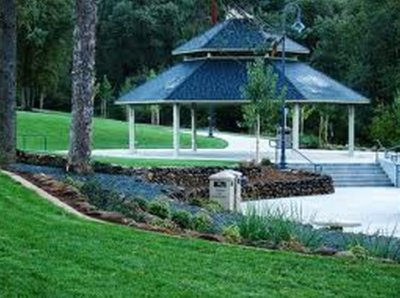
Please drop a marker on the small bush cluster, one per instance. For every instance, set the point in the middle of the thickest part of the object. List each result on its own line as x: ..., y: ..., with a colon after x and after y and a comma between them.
x: 183, y: 219
x: 160, y: 209
x: 202, y: 222
x: 107, y: 200
x: 232, y: 234
x: 387, y: 247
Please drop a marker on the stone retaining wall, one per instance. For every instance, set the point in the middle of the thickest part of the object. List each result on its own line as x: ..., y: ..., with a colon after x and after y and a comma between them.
x: 262, y: 182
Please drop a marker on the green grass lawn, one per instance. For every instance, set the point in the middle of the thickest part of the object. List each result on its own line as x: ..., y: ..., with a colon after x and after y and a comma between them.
x: 107, y: 134
x: 166, y: 162
x: 45, y: 252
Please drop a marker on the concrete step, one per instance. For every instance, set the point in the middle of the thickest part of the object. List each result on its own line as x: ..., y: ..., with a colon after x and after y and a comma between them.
x: 351, y: 175
x: 363, y: 184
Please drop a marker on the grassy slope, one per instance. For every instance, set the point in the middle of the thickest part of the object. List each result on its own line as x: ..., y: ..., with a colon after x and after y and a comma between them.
x: 45, y: 252
x: 166, y: 162
x: 107, y: 134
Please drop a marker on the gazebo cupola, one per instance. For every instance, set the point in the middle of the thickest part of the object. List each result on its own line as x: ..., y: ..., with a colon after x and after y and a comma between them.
x: 214, y: 71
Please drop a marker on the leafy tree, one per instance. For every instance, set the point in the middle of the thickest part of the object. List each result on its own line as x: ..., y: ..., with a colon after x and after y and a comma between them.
x: 386, y: 123
x: 83, y: 86
x: 44, y: 47
x: 8, y: 37
x: 262, y: 91
x: 105, y: 94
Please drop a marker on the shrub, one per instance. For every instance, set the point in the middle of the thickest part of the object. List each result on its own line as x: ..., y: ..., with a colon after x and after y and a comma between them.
x: 213, y: 206
x: 202, y: 222
x: 385, y: 123
x: 379, y: 246
x: 266, y: 162
x: 308, y: 236
x: 232, y: 234
x: 359, y: 252
x: 309, y: 141
x: 164, y: 223
x: 182, y: 218
x: 73, y: 182
x: 101, y: 198
x: 209, y: 205
x: 273, y: 225
x: 143, y: 204
x: 160, y: 209
x: 107, y: 200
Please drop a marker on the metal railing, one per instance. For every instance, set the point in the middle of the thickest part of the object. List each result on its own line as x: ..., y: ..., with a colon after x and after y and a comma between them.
x: 389, y: 153
x: 317, y: 167
x: 392, y: 154
x: 390, y: 161
x: 25, y: 137
x: 379, y: 148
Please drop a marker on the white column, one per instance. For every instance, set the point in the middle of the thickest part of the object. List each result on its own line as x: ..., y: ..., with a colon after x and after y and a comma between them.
x: 351, y: 130
x: 176, y: 128
x: 296, y: 126
x: 194, y: 127
x: 258, y: 136
x: 132, y: 129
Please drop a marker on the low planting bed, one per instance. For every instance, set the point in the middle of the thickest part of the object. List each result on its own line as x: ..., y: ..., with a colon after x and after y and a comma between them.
x: 136, y: 197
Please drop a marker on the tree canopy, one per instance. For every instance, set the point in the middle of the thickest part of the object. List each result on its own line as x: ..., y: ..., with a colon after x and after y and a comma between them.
x: 356, y: 42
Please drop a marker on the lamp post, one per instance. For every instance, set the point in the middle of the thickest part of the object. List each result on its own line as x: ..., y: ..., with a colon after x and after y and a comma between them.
x: 299, y: 27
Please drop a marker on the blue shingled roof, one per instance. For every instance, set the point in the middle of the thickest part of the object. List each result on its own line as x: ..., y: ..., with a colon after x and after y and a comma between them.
x: 222, y: 80
x: 236, y: 35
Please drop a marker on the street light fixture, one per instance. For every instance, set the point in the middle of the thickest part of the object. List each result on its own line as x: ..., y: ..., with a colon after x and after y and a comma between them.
x: 299, y: 27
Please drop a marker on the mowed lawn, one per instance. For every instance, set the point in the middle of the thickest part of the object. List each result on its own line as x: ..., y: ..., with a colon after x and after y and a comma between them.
x: 45, y: 252
x: 107, y: 134
x: 166, y: 162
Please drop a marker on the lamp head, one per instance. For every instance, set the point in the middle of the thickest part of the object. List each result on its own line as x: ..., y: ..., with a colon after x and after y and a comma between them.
x: 298, y: 25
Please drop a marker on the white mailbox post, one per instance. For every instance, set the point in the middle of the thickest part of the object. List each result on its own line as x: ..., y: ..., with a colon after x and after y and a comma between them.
x: 225, y: 188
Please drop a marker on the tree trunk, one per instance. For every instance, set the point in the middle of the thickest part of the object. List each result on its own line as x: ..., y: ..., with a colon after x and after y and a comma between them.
x: 82, y: 86
x: 320, y: 131
x: 8, y: 44
x: 155, y: 115
x: 41, y: 101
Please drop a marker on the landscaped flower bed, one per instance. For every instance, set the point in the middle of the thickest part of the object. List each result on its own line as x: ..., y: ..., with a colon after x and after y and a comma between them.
x: 134, y: 201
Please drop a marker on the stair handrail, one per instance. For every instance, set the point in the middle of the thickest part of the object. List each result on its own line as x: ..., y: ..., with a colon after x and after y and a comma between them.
x: 273, y: 144
x: 317, y: 167
x: 379, y: 148
x: 393, y: 157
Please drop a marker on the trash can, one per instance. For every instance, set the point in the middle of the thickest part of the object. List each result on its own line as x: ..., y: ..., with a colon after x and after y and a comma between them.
x: 226, y: 189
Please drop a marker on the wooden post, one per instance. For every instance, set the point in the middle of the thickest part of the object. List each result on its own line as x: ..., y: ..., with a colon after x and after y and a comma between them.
x: 351, y: 129
x: 258, y: 136
x: 194, y: 127
x: 296, y: 126
x: 132, y: 130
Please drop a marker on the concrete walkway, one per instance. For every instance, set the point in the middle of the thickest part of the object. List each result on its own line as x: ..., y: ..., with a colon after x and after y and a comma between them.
x: 241, y: 148
x: 377, y: 209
